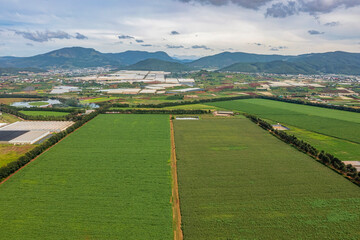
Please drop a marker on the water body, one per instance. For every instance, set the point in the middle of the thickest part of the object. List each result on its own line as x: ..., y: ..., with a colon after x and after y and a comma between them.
x: 27, y: 104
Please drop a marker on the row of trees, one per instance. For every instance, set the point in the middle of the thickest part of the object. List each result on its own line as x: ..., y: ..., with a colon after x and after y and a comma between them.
x: 327, y: 159
x: 170, y: 104
x: 21, y: 96
x: 72, y: 116
x: 22, y: 161
x: 296, y: 101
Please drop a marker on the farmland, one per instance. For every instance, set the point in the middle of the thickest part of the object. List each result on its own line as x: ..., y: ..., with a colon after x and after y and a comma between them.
x: 320, y: 124
x: 108, y: 179
x: 45, y: 113
x: 236, y: 181
x: 8, y: 118
x: 10, y: 152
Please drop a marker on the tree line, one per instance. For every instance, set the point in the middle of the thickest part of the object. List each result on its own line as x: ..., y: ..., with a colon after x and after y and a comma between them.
x: 325, y: 158
x: 12, y: 167
x: 72, y: 116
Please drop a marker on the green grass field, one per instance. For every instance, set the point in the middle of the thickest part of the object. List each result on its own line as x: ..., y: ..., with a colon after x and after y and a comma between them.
x: 193, y: 107
x: 8, y: 118
x: 236, y: 181
x: 11, y: 152
x: 37, y: 104
x: 45, y: 113
x: 108, y: 180
x: 342, y: 149
x: 99, y: 99
x: 342, y: 127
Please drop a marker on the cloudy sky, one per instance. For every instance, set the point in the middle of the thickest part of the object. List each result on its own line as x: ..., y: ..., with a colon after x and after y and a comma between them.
x: 183, y: 28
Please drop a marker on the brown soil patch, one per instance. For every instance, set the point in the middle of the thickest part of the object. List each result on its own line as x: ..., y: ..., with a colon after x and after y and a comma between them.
x: 20, y: 149
x: 178, y: 234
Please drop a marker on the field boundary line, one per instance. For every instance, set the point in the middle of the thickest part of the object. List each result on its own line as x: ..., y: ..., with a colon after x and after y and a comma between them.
x: 8, y: 177
x: 178, y: 234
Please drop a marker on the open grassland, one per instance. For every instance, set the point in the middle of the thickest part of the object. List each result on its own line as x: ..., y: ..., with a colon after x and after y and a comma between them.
x: 342, y: 149
x: 38, y: 104
x: 97, y: 100
x: 9, y: 101
x: 108, y: 180
x: 8, y: 118
x: 45, y: 113
x: 236, y: 181
x: 10, y: 152
x: 335, y: 123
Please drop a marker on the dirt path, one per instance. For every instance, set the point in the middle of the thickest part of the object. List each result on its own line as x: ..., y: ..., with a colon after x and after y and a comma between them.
x: 178, y: 234
x: 7, y: 178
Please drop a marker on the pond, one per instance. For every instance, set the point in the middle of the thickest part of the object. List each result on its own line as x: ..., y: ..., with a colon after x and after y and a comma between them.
x: 36, y: 103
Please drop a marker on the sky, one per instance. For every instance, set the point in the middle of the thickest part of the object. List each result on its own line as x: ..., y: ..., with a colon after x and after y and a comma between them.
x: 186, y: 29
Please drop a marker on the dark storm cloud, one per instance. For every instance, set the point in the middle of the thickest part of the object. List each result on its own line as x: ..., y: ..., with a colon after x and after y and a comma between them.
x: 253, y: 4
x: 174, y: 46
x: 201, y: 47
x: 313, y: 7
x: 315, y: 32
x: 80, y: 36
x: 43, y: 36
x: 174, y: 33
x: 125, y: 37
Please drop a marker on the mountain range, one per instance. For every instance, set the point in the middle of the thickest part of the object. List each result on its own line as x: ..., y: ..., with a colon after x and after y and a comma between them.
x: 78, y: 57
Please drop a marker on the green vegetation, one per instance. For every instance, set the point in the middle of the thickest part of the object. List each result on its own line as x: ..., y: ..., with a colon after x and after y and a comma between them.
x: 10, y: 152
x: 236, y: 181
x: 335, y: 123
x: 44, y: 113
x: 109, y: 179
x: 342, y: 149
x: 99, y: 99
x: 38, y: 103
x: 159, y: 65
x: 8, y: 118
x: 193, y: 107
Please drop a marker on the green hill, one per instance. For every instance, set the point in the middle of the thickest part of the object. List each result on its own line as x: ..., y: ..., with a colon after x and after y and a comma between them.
x: 278, y: 67
x: 316, y: 63
x: 159, y: 65
x: 132, y: 57
x: 225, y: 59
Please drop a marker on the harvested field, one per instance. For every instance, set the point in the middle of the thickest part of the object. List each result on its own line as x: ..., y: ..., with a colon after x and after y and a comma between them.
x: 108, y: 180
x: 236, y: 181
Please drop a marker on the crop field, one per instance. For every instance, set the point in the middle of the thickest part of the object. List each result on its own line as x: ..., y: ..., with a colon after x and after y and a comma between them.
x: 342, y: 149
x: 99, y: 99
x: 334, y: 123
x: 193, y: 107
x: 108, y: 180
x: 45, y: 113
x: 236, y: 181
x: 10, y: 152
x: 8, y: 118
